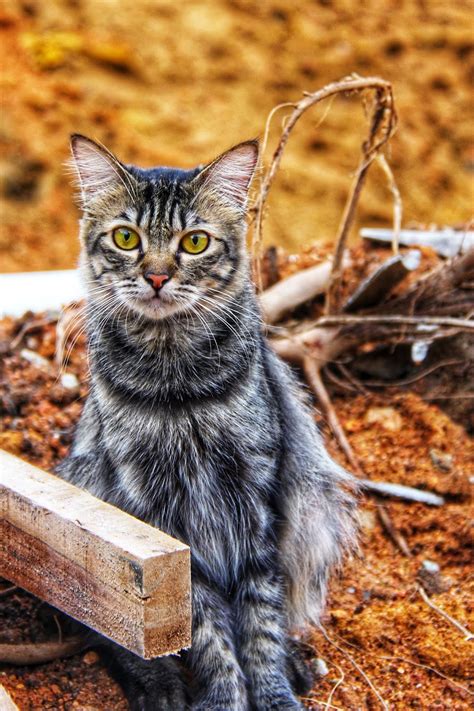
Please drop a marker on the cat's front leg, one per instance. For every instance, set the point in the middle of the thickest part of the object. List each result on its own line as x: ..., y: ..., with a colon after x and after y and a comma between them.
x: 212, y: 658
x: 263, y: 645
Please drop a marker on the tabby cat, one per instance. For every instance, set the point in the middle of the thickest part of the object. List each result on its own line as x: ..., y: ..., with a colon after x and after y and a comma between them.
x: 194, y: 425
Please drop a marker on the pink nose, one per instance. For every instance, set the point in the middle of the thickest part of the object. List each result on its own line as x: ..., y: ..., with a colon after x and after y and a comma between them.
x: 156, y: 280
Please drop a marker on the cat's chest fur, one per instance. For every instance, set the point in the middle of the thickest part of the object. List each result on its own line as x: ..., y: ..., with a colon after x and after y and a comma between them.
x: 203, y: 472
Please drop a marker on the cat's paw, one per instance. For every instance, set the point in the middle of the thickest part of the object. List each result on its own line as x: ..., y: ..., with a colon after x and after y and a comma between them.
x: 299, y: 675
x: 155, y: 685
x: 164, y: 698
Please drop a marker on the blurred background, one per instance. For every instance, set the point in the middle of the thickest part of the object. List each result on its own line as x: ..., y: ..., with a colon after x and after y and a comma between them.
x: 175, y: 83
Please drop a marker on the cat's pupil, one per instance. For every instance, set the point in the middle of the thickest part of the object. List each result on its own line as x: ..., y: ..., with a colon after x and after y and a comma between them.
x: 195, y: 240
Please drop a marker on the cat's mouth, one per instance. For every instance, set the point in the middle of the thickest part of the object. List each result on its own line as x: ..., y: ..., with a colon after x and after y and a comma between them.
x: 157, y: 306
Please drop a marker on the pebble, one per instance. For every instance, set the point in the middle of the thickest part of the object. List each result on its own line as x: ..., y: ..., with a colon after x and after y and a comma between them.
x: 69, y: 381
x: 429, y: 575
x: 34, y: 358
x: 320, y: 667
x: 386, y: 417
x: 430, y: 566
x: 442, y: 460
x: 367, y: 520
x: 90, y: 658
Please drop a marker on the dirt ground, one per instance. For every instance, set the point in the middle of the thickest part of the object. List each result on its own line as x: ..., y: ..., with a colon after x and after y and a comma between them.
x: 382, y: 645
x: 176, y: 83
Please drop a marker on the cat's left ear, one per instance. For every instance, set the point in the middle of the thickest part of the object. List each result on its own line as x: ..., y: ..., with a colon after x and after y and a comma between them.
x: 228, y: 177
x: 97, y: 170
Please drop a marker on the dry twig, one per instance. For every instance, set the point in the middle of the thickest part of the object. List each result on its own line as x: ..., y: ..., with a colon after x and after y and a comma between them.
x: 380, y: 282
x: 390, y: 319
x: 467, y: 634
x: 407, y: 661
x: 392, y: 532
x: 313, y: 377
x: 382, y: 126
x: 41, y: 652
x: 388, y: 488
x: 356, y: 666
x: 287, y: 294
x: 29, y: 327
x: 397, y: 202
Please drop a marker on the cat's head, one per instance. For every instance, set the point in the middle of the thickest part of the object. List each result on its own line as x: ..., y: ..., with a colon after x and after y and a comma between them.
x: 159, y: 241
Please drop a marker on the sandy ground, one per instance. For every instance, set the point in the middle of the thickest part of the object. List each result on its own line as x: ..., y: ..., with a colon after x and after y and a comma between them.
x: 162, y: 82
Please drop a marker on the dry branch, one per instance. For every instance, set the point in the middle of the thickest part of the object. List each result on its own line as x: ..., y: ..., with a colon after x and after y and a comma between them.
x: 379, y: 284
x: 447, y: 242
x: 437, y: 306
x: 383, y: 122
x: 40, y: 652
x: 313, y: 376
x: 407, y: 318
x: 391, y: 531
x: 286, y: 295
x: 387, y: 488
x: 468, y: 635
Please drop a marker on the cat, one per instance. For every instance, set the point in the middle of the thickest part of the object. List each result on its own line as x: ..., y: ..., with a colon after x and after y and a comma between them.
x: 194, y: 425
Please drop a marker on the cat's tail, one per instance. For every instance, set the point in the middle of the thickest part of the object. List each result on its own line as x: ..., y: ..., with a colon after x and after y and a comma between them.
x: 320, y: 528
x: 318, y: 503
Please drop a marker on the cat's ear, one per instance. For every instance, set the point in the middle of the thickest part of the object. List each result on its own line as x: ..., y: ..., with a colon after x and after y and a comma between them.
x: 228, y: 177
x: 97, y: 169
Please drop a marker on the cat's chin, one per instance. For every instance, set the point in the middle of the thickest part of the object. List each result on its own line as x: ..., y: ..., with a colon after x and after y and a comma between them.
x: 156, y: 309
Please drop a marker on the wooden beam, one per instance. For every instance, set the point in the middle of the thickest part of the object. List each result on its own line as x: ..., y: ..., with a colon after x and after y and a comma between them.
x: 116, y: 574
x: 6, y: 701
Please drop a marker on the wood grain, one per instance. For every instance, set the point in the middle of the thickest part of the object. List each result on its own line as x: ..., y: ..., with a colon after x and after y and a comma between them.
x: 116, y: 574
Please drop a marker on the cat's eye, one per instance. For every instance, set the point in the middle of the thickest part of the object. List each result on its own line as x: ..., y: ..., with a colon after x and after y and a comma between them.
x: 194, y: 242
x: 125, y: 238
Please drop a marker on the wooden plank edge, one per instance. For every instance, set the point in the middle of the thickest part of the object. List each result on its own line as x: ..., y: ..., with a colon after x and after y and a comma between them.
x: 160, y: 583
x: 6, y: 701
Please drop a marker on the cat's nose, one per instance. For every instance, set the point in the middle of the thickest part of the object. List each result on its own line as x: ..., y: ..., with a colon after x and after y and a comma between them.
x: 156, y: 280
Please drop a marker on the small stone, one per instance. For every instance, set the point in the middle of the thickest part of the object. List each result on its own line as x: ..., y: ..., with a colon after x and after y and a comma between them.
x: 339, y: 614
x: 34, y: 358
x: 319, y: 667
x: 367, y: 520
x: 430, y: 567
x: 69, y: 381
x: 442, y: 460
x: 386, y: 417
x: 429, y: 575
x: 90, y: 658
x: 351, y: 590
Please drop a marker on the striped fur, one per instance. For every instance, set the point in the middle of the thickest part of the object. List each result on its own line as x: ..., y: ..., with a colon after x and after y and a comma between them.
x: 194, y: 425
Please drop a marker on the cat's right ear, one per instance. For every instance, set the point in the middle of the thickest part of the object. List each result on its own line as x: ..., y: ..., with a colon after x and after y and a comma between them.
x: 97, y: 170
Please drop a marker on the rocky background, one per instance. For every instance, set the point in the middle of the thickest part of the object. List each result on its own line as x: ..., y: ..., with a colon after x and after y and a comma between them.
x: 175, y: 83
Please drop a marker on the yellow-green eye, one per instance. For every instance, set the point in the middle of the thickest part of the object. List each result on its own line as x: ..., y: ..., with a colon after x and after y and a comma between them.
x: 194, y: 242
x: 126, y: 238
